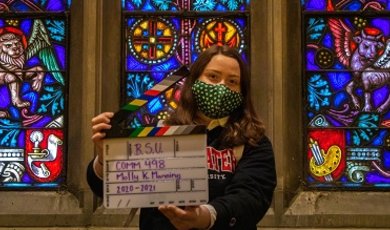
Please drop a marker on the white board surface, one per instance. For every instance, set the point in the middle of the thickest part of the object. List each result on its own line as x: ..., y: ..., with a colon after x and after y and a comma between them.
x: 153, y: 171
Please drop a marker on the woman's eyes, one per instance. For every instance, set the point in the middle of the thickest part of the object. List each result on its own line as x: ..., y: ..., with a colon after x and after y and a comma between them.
x: 234, y: 82
x: 213, y: 77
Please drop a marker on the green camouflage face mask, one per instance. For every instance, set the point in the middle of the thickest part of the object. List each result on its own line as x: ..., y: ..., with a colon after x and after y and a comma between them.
x: 216, y: 101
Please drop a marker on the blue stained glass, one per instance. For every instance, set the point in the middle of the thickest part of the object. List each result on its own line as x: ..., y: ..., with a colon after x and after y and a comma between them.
x: 339, y: 80
x: 383, y: 24
x: 155, y: 106
x: 339, y: 99
x: 25, y: 26
x: 52, y: 101
x: 310, y: 115
x: 199, y: 5
x: 386, y: 116
x: 49, y: 80
x: 225, y: 5
x: 354, y: 6
x: 192, y: 5
x: 55, y: 5
x: 134, y: 65
x: 5, y: 98
x: 379, y: 96
x: 9, y: 133
x: 14, y: 113
x: 33, y: 62
x: 310, y: 63
x: 25, y: 88
x: 34, y: 98
x: 348, y: 5
x: 241, y: 22
x: 376, y: 178
x: 318, y: 92
x: 27, y: 179
x: 343, y: 179
x: 220, y: 8
x: 16, y: 185
x: 149, y: 5
x: 176, y: 22
x: 35, y: 5
x: 18, y: 6
x: 314, y: 4
x: 159, y: 76
x: 43, y: 122
x: 130, y: 21
x: 61, y: 55
x: 135, y: 123
x: 327, y: 41
x: 338, y: 66
x: 137, y: 84
x: 56, y: 28
x: 386, y: 159
x: 379, y: 139
x: 244, y: 57
x: 315, y: 28
x: 26, y: 185
x: 48, y: 185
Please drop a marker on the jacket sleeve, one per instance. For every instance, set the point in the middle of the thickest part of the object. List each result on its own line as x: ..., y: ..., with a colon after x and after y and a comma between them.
x: 94, y: 182
x: 249, y: 194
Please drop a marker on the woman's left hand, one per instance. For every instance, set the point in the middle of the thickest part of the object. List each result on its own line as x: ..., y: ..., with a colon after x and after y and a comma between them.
x: 187, y: 218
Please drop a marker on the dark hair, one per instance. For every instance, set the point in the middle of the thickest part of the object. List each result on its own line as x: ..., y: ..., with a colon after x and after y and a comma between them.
x: 243, y: 125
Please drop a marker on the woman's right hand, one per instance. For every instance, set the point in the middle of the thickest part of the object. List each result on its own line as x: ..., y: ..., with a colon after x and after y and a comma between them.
x: 100, y: 123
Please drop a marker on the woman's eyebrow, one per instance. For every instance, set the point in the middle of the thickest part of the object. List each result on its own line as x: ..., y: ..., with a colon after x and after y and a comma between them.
x: 234, y: 76
x: 220, y: 72
x: 212, y: 70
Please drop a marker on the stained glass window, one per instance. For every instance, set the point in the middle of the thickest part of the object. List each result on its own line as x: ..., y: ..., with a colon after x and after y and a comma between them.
x: 33, y: 92
x: 162, y: 36
x: 347, y: 93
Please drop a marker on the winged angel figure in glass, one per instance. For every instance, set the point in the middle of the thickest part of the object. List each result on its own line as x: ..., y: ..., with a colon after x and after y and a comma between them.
x: 15, y: 51
x: 367, y: 54
x: 13, y: 45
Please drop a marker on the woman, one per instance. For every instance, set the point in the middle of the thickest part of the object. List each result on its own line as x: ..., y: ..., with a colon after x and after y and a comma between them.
x: 215, y: 94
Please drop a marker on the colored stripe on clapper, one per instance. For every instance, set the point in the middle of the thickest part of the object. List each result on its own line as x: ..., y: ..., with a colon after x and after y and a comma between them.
x: 150, y: 94
x: 119, y: 127
x: 167, y: 131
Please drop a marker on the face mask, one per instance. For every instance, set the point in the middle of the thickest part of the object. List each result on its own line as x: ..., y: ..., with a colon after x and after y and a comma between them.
x: 216, y: 101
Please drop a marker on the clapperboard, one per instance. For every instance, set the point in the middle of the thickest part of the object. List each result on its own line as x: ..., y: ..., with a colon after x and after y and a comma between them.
x: 152, y: 166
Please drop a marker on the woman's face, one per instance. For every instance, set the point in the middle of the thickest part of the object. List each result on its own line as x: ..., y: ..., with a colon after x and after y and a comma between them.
x: 222, y: 70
